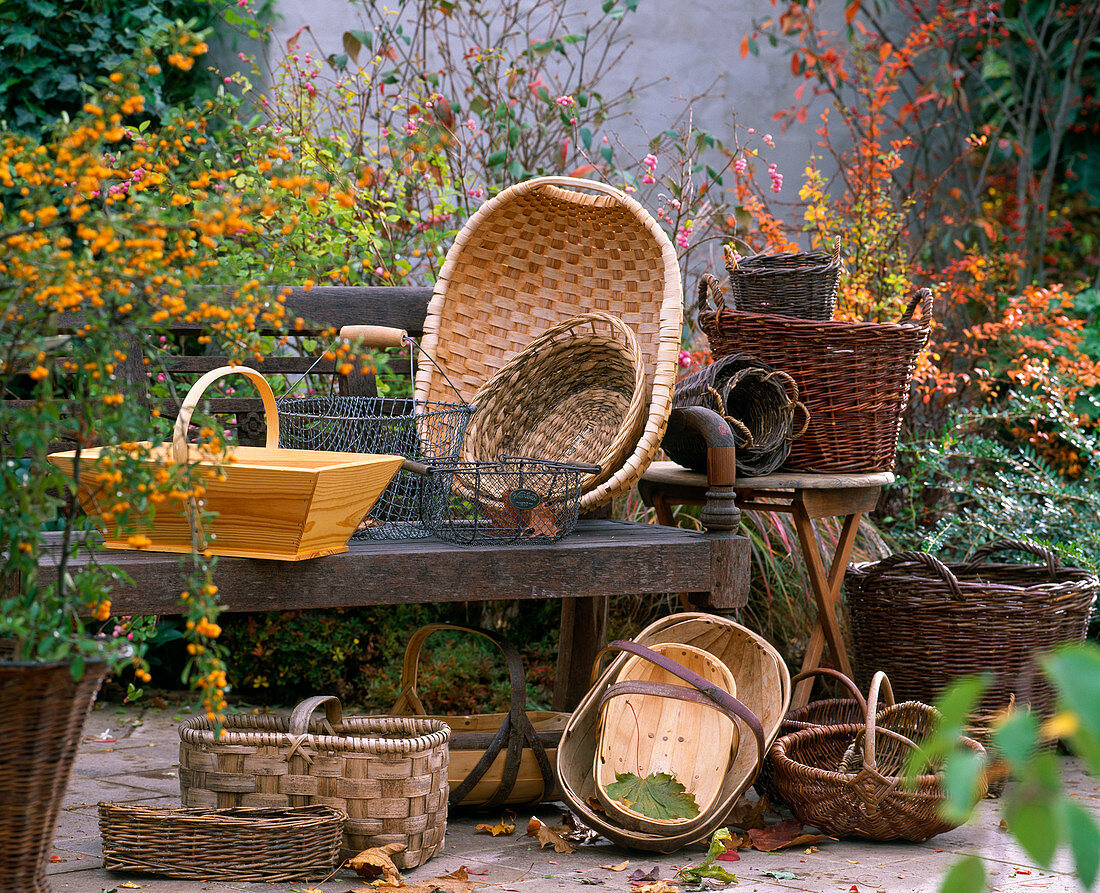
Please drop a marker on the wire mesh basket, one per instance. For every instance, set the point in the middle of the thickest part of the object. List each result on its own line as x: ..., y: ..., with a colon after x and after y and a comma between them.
x: 510, y: 500
x: 424, y: 432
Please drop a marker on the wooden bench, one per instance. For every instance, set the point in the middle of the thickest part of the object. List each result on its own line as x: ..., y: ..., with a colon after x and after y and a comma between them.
x: 603, y: 557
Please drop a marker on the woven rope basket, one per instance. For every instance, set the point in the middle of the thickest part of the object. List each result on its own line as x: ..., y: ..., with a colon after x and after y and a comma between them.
x: 847, y: 779
x: 577, y: 393
x: 240, y: 844
x: 927, y: 622
x: 389, y: 774
x: 539, y: 253
x: 854, y: 377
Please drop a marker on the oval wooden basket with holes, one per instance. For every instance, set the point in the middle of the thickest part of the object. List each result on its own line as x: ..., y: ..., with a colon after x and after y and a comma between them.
x: 577, y: 393
x: 496, y: 759
x: 538, y: 254
x: 763, y: 688
x: 268, y: 503
x: 389, y: 774
x: 847, y: 779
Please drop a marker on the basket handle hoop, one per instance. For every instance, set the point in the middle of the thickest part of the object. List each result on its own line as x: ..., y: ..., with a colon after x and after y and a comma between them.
x: 1013, y: 545
x: 578, y: 183
x: 194, y: 395
x: 909, y: 559
x: 836, y: 674
x: 710, y: 291
x: 717, y: 698
x: 300, y: 716
x: 922, y: 299
x: 514, y: 730
x: 879, y: 681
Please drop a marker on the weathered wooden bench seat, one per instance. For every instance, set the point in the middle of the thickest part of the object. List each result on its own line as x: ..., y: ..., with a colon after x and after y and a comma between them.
x: 602, y: 557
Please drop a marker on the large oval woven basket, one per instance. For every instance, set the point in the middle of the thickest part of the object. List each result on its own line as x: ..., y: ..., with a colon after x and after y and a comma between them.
x: 389, y: 774
x: 540, y: 253
x: 577, y: 393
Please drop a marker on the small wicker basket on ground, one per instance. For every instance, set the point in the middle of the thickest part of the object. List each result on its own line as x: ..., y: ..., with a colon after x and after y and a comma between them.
x: 847, y: 779
x: 802, y: 284
x: 389, y: 774
x: 926, y: 622
x: 238, y: 844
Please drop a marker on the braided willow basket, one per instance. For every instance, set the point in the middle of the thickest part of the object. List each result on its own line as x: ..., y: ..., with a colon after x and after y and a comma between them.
x: 240, y: 844
x: 801, y: 284
x: 927, y: 622
x: 540, y: 253
x: 847, y: 779
x: 389, y: 774
x: 576, y: 394
x: 854, y: 377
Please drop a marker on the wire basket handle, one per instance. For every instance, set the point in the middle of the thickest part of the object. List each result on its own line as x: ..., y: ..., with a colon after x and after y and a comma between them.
x: 912, y: 559
x: 1012, y: 545
x: 375, y: 336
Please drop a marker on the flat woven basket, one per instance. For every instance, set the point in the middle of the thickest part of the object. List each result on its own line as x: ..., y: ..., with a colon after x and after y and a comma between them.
x: 239, y: 844
x: 927, y: 622
x: 577, y: 393
x: 540, y: 253
x: 496, y: 759
x: 854, y: 377
x: 388, y: 774
x: 800, y: 284
x: 847, y: 779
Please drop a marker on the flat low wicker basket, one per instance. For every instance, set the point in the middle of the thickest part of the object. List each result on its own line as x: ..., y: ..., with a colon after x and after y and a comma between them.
x: 927, y: 622
x: 238, y: 844
x: 854, y: 377
x: 802, y: 284
x: 389, y: 774
x: 848, y: 779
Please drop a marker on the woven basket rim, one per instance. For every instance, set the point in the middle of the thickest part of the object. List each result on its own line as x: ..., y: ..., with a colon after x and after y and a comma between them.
x: 198, y: 730
x: 245, y: 816
x: 808, y: 262
x: 798, y: 325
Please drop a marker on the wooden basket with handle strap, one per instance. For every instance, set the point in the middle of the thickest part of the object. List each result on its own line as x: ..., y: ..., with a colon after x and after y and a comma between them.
x: 496, y: 759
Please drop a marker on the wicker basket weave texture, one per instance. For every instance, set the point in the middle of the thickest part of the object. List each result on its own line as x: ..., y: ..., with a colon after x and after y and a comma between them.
x: 927, y: 622
x: 847, y: 779
x: 242, y: 844
x: 802, y: 284
x: 577, y: 393
x: 854, y: 377
x: 542, y: 252
x: 389, y: 774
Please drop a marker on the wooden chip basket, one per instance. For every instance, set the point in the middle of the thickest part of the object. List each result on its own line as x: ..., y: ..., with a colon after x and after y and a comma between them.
x: 389, y: 774
x: 496, y: 759
x: 269, y: 503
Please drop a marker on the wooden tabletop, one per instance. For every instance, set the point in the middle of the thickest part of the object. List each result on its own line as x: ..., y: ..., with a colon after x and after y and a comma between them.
x: 669, y: 473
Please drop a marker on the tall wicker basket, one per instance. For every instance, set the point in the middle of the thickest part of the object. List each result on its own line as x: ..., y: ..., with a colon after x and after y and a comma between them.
x: 854, y: 377
x: 926, y: 622
x: 389, y: 774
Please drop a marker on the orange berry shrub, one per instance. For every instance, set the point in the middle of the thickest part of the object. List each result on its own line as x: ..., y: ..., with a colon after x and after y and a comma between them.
x: 113, y: 230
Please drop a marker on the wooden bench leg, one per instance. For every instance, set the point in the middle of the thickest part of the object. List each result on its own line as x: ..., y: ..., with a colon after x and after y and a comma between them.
x: 826, y: 590
x: 583, y: 629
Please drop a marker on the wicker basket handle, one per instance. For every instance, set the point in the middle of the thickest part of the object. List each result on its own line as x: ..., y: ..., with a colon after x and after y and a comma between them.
x: 879, y: 681
x: 300, y: 716
x: 922, y: 299
x: 514, y: 730
x: 1011, y: 545
x: 918, y: 559
x: 710, y: 290
x: 194, y: 395
x: 836, y: 674
x: 578, y: 183
x: 721, y: 700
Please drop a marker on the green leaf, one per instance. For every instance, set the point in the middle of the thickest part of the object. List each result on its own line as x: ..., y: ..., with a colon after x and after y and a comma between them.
x: 707, y: 869
x: 1015, y: 738
x: 966, y: 876
x: 1034, y: 823
x: 496, y: 159
x: 586, y: 137
x: 961, y: 771
x: 1084, y: 843
x: 657, y: 796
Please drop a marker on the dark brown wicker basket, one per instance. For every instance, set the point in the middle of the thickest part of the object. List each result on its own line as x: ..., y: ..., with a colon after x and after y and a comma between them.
x: 760, y: 404
x: 926, y: 622
x: 854, y: 377
x: 800, y: 284
x: 237, y: 844
x: 847, y: 779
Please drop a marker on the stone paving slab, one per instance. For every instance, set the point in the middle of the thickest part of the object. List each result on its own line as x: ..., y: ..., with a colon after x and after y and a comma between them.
x: 129, y: 754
